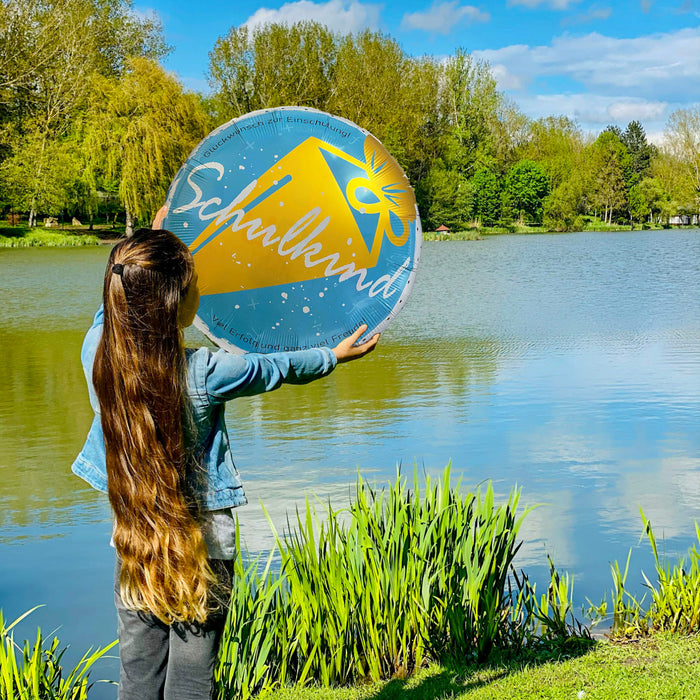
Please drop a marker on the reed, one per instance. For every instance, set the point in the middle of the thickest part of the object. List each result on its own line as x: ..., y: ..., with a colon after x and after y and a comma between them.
x: 401, y: 577
x: 674, y: 596
x: 34, y: 671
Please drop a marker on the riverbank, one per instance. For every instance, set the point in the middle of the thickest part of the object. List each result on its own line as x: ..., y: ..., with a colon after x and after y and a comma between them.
x: 61, y: 237
x: 478, y: 233
x: 70, y: 236
x: 664, y: 666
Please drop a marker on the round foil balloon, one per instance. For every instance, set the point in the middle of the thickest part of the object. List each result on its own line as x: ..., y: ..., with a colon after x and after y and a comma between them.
x: 302, y: 228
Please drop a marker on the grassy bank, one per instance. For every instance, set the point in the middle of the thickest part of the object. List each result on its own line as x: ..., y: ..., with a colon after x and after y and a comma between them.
x: 665, y: 667
x: 478, y: 233
x: 67, y: 236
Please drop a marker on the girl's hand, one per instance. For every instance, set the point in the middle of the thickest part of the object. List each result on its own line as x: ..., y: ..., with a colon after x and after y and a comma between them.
x: 159, y: 217
x: 347, y: 350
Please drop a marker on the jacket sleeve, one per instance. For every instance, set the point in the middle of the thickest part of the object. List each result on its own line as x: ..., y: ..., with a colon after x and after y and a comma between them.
x: 87, y: 355
x: 228, y: 376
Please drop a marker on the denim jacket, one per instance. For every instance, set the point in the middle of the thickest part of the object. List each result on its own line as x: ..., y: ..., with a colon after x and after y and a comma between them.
x: 213, y: 377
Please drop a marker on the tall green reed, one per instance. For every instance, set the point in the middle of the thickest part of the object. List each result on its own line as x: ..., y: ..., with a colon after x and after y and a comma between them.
x: 674, y: 597
x: 375, y: 590
x: 34, y: 671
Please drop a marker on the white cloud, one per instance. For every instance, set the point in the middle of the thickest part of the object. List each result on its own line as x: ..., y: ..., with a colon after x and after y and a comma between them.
x: 594, y: 112
x: 505, y: 79
x: 554, y: 4
x: 658, y: 66
x: 337, y: 15
x: 442, y: 17
x: 629, y: 110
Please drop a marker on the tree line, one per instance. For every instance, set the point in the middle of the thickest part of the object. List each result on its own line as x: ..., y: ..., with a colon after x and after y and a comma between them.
x: 92, y: 125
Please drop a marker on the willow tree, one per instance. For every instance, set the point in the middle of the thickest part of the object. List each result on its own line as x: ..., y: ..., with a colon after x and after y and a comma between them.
x: 138, y: 131
x: 49, y: 52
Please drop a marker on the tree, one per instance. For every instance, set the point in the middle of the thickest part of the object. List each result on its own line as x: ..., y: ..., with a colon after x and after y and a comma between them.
x: 446, y: 198
x: 366, y: 78
x: 682, y: 135
x: 138, y: 131
x: 273, y: 65
x: 49, y: 51
x: 556, y: 143
x: 609, y: 161
x: 562, y: 208
x: 637, y: 204
x: 46, y: 188
x: 486, y: 194
x: 471, y: 105
x: 635, y: 140
x: 526, y: 187
x: 655, y: 197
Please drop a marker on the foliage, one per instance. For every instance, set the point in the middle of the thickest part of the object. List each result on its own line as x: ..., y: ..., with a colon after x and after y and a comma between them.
x: 486, y: 202
x: 47, y: 239
x: 365, y: 77
x: 556, y: 143
x: 471, y: 104
x: 654, y: 196
x: 375, y: 591
x: 526, y: 186
x: 89, y: 118
x: 138, y: 131
x: 48, y: 56
x: 610, y: 164
x: 447, y: 198
x: 683, y: 138
x: 562, y: 207
x: 252, y: 70
x: 674, y: 604
x: 34, y: 671
x: 635, y: 140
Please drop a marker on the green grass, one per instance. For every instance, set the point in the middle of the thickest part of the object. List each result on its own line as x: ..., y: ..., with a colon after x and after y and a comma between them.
x: 664, y: 667
x: 23, y: 237
x: 465, y: 235
x: 589, y: 223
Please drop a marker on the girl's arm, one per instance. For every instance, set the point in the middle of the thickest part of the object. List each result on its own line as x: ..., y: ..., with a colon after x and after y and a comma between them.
x: 229, y: 376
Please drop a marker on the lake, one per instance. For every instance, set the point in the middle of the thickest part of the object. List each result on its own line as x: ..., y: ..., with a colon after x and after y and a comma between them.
x: 567, y: 365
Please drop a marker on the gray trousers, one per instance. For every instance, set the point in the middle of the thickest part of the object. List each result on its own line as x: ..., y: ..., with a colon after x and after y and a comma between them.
x: 167, y: 662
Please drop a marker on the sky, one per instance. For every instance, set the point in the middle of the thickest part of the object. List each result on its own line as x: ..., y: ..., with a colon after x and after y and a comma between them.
x: 597, y: 62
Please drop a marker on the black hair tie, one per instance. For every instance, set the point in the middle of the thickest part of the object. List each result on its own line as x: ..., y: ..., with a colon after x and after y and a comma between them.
x: 118, y: 269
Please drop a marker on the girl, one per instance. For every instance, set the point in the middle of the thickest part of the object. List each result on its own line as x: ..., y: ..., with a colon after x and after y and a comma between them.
x: 159, y: 447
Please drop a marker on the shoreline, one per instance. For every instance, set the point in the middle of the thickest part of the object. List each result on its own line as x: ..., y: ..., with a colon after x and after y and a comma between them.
x: 73, y: 236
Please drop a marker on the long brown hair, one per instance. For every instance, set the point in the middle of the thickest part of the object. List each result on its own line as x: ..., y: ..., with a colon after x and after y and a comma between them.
x: 139, y: 376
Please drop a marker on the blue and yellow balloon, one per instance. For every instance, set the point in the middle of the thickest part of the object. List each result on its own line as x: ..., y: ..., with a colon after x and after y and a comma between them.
x: 302, y: 227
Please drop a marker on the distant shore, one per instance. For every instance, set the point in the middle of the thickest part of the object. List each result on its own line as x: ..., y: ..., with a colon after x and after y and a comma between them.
x: 481, y: 232
x: 21, y: 236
